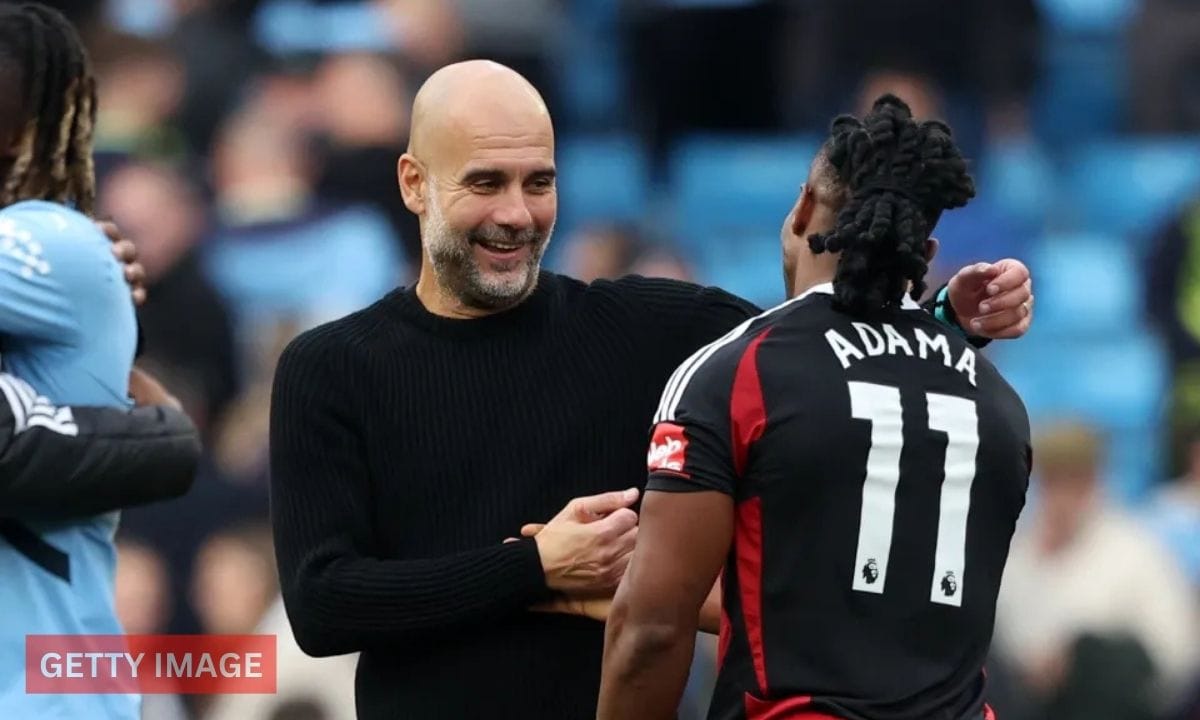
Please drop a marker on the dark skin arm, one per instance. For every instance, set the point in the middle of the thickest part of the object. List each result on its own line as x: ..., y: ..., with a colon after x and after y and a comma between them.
x: 682, y: 544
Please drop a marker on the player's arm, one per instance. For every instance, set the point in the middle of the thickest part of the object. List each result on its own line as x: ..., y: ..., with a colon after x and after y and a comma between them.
x: 65, y: 462
x: 687, y: 519
x: 652, y: 626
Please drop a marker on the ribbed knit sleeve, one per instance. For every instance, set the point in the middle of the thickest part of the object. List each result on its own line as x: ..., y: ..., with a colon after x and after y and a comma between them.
x: 339, y: 597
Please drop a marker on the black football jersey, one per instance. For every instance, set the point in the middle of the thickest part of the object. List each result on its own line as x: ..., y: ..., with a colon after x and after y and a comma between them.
x: 878, y: 467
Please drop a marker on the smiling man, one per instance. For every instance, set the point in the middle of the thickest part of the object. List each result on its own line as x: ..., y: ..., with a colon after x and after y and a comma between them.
x: 410, y: 439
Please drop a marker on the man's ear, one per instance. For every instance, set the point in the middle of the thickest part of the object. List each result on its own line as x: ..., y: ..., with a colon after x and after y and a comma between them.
x: 931, y: 249
x: 411, y: 176
x: 802, y: 215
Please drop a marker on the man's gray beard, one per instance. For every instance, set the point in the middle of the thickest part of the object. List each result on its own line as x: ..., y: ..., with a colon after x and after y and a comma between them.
x: 452, y: 256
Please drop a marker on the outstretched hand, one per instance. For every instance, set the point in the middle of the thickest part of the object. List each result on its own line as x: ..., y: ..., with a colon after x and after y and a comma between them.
x: 993, y: 300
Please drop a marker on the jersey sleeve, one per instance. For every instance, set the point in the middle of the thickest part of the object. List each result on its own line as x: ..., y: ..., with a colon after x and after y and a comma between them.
x: 690, y: 445
x: 33, y: 302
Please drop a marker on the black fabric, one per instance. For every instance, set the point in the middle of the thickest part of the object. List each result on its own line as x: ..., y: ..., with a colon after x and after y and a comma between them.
x: 406, y: 447
x: 116, y: 459
x: 35, y: 549
x: 793, y: 415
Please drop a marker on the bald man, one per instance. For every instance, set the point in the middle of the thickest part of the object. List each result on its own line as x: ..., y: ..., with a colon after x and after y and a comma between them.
x: 412, y: 441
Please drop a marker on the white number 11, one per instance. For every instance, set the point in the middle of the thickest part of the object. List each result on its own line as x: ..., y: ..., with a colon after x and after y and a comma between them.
x: 955, y: 416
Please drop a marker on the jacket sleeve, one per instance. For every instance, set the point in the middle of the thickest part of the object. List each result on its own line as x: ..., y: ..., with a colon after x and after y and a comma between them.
x: 64, y: 462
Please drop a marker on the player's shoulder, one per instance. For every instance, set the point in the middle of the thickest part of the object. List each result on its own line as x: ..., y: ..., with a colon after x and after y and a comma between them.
x: 48, y: 222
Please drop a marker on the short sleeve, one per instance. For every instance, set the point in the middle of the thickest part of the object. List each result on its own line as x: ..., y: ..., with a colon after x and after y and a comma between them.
x: 690, y: 445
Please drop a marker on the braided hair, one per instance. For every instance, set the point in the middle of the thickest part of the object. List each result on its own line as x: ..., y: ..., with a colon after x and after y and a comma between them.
x: 895, y: 177
x: 43, y: 56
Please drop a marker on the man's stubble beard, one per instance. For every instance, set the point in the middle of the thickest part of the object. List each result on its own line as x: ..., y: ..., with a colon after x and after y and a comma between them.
x: 451, y: 253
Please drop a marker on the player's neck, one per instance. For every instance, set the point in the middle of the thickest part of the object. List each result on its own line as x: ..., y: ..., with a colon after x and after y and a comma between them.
x: 809, y: 275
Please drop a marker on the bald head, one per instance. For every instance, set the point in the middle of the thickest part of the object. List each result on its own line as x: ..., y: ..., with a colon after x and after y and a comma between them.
x: 471, y: 99
x: 480, y: 173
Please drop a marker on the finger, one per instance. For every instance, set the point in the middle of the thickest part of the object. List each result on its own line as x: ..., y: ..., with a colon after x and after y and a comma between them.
x: 124, y: 250
x: 628, y: 540
x: 531, y: 529
x: 139, y: 296
x: 1013, y: 275
x: 110, y: 229
x: 135, y: 273
x: 589, y: 508
x: 617, y: 523
x: 1008, y: 300
x: 992, y: 325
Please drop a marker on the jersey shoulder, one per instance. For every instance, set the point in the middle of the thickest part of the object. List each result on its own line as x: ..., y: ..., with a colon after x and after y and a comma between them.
x: 54, y: 240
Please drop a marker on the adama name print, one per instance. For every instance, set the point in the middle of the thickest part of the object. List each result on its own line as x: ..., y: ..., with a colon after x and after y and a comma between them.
x: 149, y: 664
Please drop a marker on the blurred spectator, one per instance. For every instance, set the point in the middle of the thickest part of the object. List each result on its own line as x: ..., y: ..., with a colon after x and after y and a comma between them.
x: 600, y: 252
x: 189, y: 339
x: 323, y: 687
x: 427, y: 32
x: 984, y: 53
x: 359, y: 165
x: 662, y: 262
x: 280, y: 250
x: 1093, y: 612
x: 143, y: 601
x: 711, y: 66
x: 143, y: 592
x: 1173, y: 304
x: 215, y: 48
x: 1174, y: 511
x: 1164, y: 49
x: 975, y: 233
x: 234, y: 581
x: 140, y: 85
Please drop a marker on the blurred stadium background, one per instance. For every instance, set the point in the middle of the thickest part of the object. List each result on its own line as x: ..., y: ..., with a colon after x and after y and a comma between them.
x: 249, y: 147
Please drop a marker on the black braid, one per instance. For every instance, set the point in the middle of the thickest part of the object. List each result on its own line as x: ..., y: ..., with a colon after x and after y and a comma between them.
x: 897, y: 176
x: 40, y: 48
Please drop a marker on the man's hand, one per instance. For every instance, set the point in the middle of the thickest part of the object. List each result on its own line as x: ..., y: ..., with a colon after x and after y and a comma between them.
x: 993, y: 300
x: 126, y: 254
x: 145, y: 390
x: 595, y: 608
x: 585, y: 548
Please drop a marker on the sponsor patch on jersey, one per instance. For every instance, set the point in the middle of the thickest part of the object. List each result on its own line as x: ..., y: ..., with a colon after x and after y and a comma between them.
x: 668, y: 448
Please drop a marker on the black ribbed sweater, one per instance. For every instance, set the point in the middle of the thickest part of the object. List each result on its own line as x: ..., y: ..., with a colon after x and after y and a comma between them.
x: 406, y: 447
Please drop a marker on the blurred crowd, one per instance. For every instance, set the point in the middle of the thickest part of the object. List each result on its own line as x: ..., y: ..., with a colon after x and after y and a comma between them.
x: 249, y: 148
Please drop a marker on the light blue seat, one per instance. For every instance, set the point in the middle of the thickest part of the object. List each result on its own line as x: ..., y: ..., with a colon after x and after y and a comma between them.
x: 747, y: 265
x: 1131, y: 187
x: 1090, y: 17
x: 1019, y: 179
x: 603, y: 177
x: 1087, y: 286
x: 737, y: 185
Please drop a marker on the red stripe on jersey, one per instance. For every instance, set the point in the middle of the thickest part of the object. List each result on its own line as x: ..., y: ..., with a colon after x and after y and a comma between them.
x: 723, y: 640
x: 747, y: 541
x: 792, y: 708
x: 747, y: 411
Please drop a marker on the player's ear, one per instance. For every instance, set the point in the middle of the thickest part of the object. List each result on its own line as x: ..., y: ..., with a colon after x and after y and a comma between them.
x: 931, y: 249
x: 802, y: 214
x: 412, y: 178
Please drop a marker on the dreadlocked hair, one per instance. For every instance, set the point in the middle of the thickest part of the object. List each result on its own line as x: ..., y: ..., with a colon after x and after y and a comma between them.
x: 54, y: 160
x: 896, y: 176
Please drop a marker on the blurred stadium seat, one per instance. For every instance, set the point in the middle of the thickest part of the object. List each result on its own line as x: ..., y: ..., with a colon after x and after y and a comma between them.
x: 1128, y: 186
x: 1089, y: 17
x: 726, y: 186
x: 603, y: 177
x: 1019, y: 179
x: 1087, y: 286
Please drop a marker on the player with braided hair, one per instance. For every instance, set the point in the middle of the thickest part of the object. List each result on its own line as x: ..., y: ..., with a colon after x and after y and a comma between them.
x: 68, y: 330
x: 850, y: 469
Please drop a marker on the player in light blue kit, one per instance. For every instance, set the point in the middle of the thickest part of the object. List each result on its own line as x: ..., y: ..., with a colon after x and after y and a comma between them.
x: 67, y: 327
